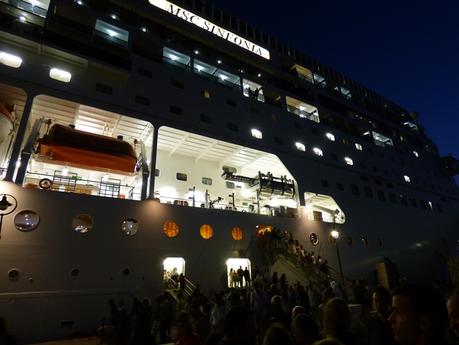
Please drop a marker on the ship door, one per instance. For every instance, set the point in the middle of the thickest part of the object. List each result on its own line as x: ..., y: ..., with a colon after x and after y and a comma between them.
x: 233, y: 271
x: 172, y: 268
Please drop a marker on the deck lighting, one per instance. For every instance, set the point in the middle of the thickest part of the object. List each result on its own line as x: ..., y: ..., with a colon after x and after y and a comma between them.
x: 300, y: 146
x: 256, y: 133
x: 111, y: 33
x: 60, y: 75
x: 348, y: 161
x: 79, y: 2
x: 406, y: 178
x: 10, y: 60
x: 144, y: 29
x: 415, y: 154
x: 223, y: 77
x: 317, y: 151
x: 219, y: 62
x: 114, y: 16
x: 259, y: 75
x: 358, y: 146
x: 330, y: 136
x: 196, y: 52
x: 334, y: 234
x: 22, y: 19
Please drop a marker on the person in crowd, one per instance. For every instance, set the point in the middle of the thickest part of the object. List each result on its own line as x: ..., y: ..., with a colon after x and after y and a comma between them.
x: 337, y: 321
x: 240, y: 275
x: 185, y: 334
x: 297, y: 310
x: 274, y: 278
x: 258, y: 304
x: 218, y: 312
x: 182, y: 281
x: 304, y: 329
x: 277, y: 335
x: 453, y: 314
x: 246, y: 275
x: 379, y: 330
x: 276, y: 311
x: 419, y: 315
x: 238, y: 327
x: 165, y: 318
x: 328, y: 341
x: 283, y: 280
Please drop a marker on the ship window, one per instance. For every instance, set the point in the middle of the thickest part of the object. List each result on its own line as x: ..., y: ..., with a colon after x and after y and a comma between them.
x: 256, y: 133
x: 237, y: 233
x: 175, y: 58
x: 252, y: 90
x: 380, y: 139
x: 228, y: 79
x: 303, y: 73
x: 26, y: 220
x: 230, y: 185
x: 313, y: 239
x: 126, y: 272
x: 75, y: 272
x: 358, y: 146
x: 176, y: 110
x: 13, y: 275
x: 330, y: 136
x: 368, y: 192
x: 104, y: 88
x: 348, y: 161
x: 300, y: 146
x: 129, y: 227
x: 112, y: 33
x: 181, y: 176
x: 206, y: 231
x: 205, y: 94
x: 406, y: 178
x: 319, y: 80
x: 177, y: 83
x: 355, y: 189
x: 171, y: 229
x: 207, y: 181
x: 157, y: 172
x: 233, y: 127
x: 60, y: 75
x: 205, y: 118
x: 82, y: 223
x: 232, y: 267
x: 10, y: 60
x: 415, y: 154
x: 317, y: 151
x: 302, y: 109
x: 142, y: 100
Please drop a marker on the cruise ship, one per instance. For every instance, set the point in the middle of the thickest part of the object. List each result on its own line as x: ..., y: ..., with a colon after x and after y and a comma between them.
x: 148, y: 136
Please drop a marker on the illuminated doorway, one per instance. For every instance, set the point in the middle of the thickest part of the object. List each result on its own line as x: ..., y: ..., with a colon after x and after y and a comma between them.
x: 172, y: 268
x: 233, y: 272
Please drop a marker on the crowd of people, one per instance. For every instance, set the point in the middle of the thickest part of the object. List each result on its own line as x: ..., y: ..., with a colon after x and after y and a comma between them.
x: 274, y: 312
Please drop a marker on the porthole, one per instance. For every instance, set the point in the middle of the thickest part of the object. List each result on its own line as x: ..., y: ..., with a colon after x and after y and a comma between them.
x: 75, y: 272
x: 206, y: 231
x: 237, y: 233
x: 171, y: 229
x: 129, y: 227
x: 26, y: 220
x: 13, y: 275
x: 349, y: 240
x: 364, y: 241
x: 313, y: 239
x: 82, y: 223
x: 126, y: 272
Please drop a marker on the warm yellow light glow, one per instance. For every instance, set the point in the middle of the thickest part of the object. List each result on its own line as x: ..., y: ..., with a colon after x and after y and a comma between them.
x: 334, y: 234
x: 178, y: 264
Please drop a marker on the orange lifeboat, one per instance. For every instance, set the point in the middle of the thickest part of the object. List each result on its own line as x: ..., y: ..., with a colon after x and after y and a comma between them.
x: 6, y: 120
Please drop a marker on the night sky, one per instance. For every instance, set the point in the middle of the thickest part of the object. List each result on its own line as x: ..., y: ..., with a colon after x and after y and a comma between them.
x: 407, y: 51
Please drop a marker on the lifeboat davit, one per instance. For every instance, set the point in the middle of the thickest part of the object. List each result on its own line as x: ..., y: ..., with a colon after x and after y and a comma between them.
x: 6, y: 120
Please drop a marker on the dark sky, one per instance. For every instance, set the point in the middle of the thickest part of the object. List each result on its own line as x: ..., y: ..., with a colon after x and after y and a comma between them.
x: 405, y: 50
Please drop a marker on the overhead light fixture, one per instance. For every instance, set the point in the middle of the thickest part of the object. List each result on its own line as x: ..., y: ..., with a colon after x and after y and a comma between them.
x: 196, y: 52
x: 79, y: 2
x: 334, y: 234
x: 10, y: 60
x: 259, y: 75
x: 144, y: 29
x: 60, y: 75
x: 219, y: 62
x: 114, y: 16
x: 22, y: 19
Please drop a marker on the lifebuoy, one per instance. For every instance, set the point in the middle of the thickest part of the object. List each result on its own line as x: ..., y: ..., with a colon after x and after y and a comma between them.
x: 45, y: 183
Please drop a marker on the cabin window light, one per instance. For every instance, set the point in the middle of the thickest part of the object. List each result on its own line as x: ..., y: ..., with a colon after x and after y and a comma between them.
x: 406, y: 178
x: 330, y: 136
x: 317, y: 151
x: 219, y: 62
x: 114, y: 16
x: 60, y: 75
x: 196, y: 52
x: 348, y: 161
x: 430, y: 205
x: 79, y: 2
x: 415, y: 154
x: 259, y: 75
x: 22, y: 19
x: 115, y: 33
x: 358, y: 146
x: 300, y: 146
x: 256, y: 133
x: 10, y: 60
x: 144, y: 29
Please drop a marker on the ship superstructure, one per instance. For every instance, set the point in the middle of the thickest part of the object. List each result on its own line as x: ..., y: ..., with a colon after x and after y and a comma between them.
x: 141, y: 136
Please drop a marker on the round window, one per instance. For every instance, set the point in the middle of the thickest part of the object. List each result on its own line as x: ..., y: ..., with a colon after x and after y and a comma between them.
x: 237, y: 233
x: 313, y: 239
x: 75, y: 272
x: 26, y: 220
x: 206, y: 231
x: 171, y: 229
x: 82, y: 223
x: 13, y: 275
x: 129, y: 227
